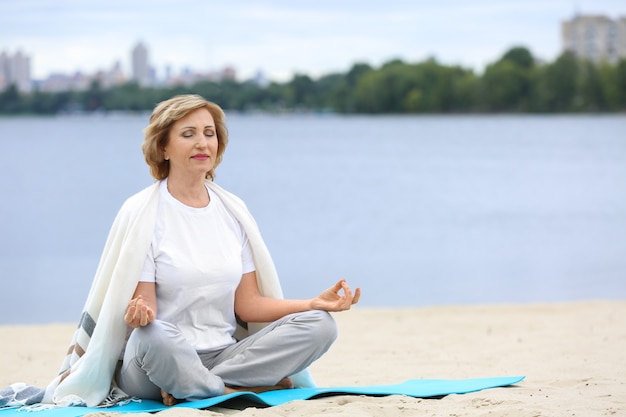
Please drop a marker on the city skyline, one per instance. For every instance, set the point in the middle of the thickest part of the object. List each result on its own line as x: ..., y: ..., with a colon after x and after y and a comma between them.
x: 595, y: 37
x: 280, y: 38
x: 15, y: 69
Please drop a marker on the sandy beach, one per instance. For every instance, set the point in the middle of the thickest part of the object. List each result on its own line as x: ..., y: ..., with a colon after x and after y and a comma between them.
x: 572, y: 354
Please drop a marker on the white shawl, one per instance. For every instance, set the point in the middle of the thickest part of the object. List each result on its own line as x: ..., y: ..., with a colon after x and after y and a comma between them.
x: 86, y: 376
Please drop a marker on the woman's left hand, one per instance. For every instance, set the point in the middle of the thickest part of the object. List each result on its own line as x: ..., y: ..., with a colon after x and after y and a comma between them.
x: 138, y: 313
x: 332, y: 300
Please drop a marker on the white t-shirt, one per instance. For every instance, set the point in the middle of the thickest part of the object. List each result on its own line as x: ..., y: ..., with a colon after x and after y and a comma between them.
x: 196, y: 259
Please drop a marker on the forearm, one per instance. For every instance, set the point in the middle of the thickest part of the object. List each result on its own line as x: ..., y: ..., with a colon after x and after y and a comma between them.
x: 266, y: 309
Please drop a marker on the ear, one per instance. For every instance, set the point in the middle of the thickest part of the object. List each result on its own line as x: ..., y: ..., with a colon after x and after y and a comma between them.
x: 165, y: 155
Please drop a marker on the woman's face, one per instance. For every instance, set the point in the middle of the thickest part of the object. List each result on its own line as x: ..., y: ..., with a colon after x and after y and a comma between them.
x: 192, y: 144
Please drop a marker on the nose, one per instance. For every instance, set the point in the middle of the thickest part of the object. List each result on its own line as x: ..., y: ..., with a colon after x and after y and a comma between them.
x: 202, y: 142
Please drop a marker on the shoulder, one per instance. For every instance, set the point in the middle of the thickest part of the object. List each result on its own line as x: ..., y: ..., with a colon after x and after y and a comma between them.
x: 226, y: 196
x: 137, y: 201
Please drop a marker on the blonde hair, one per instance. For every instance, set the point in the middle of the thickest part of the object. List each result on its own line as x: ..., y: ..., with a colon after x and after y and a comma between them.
x: 164, y: 115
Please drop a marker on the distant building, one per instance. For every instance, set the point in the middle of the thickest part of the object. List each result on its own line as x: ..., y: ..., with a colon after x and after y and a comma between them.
x: 15, y: 69
x: 58, y: 82
x: 140, y: 65
x: 260, y: 79
x: 112, y: 77
x: 595, y: 37
x: 4, y: 76
x: 621, y: 37
x: 228, y: 73
x: 78, y: 81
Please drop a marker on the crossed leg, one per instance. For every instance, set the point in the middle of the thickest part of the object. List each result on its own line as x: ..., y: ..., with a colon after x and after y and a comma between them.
x: 285, y: 383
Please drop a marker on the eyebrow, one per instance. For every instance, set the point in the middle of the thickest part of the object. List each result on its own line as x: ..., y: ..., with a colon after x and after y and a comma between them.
x: 193, y: 127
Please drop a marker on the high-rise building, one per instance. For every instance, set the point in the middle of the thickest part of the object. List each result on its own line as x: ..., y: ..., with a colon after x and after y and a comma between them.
x: 15, y: 69
x: 595, y: 37
x: 141, y: 71
x: 621, y: 37
x: 4, y: 72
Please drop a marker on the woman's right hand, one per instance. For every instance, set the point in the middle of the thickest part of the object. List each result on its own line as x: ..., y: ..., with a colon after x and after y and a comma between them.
x: 138, y: 313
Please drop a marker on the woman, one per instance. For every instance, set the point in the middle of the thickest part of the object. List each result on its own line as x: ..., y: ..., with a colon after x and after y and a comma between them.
x: 206, y: 269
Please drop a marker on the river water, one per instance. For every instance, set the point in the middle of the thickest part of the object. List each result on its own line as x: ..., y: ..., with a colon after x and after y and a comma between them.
x: 416, y: 210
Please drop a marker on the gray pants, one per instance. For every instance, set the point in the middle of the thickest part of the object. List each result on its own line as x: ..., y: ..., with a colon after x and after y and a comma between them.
x: 159, y: 357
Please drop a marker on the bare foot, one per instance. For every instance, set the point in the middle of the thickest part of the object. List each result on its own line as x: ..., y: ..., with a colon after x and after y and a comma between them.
x: 284, y: 383
x: 168, y: 399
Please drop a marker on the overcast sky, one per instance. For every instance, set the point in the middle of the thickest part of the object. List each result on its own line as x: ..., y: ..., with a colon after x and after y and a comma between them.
x: 281, y: 37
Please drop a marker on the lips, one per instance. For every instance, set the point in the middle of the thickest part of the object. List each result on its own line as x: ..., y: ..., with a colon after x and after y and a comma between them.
x: 200, y: 157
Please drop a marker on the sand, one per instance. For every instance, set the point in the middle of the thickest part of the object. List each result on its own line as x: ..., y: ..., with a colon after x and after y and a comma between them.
x: 572, y: 354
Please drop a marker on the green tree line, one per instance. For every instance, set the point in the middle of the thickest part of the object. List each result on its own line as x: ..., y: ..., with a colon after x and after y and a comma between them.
x: 516, y: 83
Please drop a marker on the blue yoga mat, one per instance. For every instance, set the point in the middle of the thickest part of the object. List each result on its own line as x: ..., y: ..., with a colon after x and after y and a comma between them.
x: 419, y: 388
